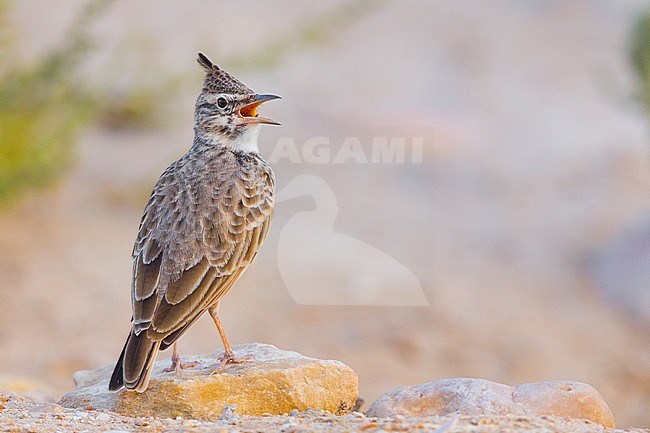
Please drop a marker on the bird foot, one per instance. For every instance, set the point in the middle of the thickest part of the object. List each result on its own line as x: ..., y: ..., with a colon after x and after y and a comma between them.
x: 229, y: 359
x: 177, y: 366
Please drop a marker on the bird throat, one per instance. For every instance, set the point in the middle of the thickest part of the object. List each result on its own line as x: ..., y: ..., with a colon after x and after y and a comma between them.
x: 246, y: 141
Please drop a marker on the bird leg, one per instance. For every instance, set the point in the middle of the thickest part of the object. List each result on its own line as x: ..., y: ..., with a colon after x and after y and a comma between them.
x: 228, y: 356
x: 177, y: 366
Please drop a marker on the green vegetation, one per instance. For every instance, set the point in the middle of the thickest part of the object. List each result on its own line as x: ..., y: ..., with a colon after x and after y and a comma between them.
x: 138, y: 107
x: 42, y: 109
x: 641, y: 56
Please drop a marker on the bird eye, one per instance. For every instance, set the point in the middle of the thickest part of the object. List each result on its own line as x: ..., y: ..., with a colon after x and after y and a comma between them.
x: 222, y: 102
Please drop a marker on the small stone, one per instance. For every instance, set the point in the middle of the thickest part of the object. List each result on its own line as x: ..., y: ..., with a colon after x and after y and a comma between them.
x: 273, y: 382
x: 368, y: 425
x: 564, y: 399
x: 294, y: 412
x: 227, y: 412
x: 46, y: 408
x: 103, y: 417
x: 482, y: 397
x: 288, y: 427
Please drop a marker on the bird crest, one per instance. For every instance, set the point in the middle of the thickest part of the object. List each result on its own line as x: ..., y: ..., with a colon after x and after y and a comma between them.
x: 219, y: 81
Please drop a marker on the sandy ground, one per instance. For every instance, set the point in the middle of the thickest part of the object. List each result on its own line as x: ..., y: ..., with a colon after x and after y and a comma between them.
x: 20, y: 415
x: 535, y: 157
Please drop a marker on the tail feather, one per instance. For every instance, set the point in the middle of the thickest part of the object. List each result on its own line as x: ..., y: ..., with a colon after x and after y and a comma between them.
x: 117, y: 379
x: 133, y: 368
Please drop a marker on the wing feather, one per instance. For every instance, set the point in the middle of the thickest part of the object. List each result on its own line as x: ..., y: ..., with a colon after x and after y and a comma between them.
x: 189, y: 281
x: 188, y: 254
x: 168, y: 317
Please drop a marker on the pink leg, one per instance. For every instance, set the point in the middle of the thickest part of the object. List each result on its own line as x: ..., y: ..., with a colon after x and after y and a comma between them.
x: 228, y: 356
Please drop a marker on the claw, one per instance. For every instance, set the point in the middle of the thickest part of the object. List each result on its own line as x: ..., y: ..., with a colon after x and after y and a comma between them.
x: 229, y: 359
x: 177, y: 366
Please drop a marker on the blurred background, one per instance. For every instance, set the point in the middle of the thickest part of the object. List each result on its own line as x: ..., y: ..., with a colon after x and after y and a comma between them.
x: 526, y: 222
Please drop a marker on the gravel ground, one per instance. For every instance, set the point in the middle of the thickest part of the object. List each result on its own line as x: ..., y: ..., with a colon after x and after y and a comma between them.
x: 18, y: 414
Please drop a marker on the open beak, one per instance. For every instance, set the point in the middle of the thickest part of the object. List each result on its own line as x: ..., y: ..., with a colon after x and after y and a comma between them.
x: 249, y: 112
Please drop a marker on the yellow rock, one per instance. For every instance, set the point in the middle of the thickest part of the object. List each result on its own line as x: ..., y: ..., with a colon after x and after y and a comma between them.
x: 273, y: 381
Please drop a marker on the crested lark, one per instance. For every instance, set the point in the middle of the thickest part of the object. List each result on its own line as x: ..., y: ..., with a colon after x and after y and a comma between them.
x: 206, y: 218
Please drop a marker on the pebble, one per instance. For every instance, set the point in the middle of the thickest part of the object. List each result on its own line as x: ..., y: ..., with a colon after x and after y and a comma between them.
x: 227, y: 412
x: 287, y: 427
x: 141, y: 422
x: 46, y: 408
x: 103, y: 417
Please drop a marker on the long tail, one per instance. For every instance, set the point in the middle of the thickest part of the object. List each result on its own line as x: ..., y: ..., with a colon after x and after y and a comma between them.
x: 133, y: 369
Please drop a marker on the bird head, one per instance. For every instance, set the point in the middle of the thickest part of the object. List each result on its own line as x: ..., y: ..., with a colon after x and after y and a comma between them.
x: 226, y: 109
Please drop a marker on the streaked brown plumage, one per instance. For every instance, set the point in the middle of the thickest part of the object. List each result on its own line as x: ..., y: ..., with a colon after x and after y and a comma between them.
x: 206, y: 218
